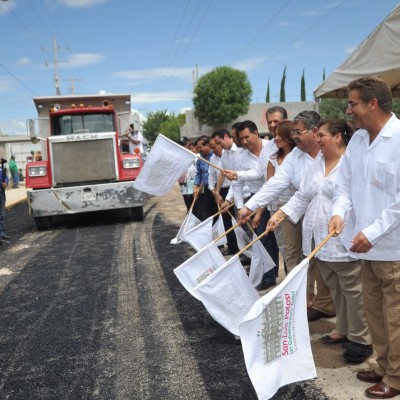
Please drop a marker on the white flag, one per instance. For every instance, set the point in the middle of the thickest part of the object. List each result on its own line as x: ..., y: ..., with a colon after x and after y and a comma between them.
x: 188, y: 223
x: 217, y: 230
x: 198, y: 267
x: 199, y: 236
x: 228, y: 295
x: 275, y: 336
x: 242, y: 238
x: 261, y: 262
x: 166, y: 162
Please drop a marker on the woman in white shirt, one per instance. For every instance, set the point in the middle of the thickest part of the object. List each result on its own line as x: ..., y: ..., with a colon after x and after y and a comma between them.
x: 340, y: 272
x: 285, y: 144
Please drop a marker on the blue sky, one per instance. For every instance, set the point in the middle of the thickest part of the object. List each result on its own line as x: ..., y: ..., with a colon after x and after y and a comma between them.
x: 150, y: 48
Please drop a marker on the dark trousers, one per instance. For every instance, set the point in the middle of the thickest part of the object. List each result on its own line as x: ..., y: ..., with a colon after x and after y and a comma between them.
x: 231, y: 236
x: 270, y: 244
x: 205, y: 205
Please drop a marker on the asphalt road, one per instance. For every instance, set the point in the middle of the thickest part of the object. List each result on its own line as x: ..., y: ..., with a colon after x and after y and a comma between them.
x: 91, y: 309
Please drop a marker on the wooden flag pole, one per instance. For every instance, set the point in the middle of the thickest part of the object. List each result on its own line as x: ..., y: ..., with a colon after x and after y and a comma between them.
x: 318, y: 248
x: 191, y: 207
x: 257, y: 238
x: 219, y: 210
x: 232, y: 228
x: 247, y: 223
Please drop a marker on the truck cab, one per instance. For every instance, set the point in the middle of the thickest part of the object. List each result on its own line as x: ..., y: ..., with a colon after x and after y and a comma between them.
x: 83, y: 166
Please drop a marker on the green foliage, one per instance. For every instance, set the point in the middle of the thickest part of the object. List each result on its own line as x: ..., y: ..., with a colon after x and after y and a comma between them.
x: 396, y: 107
x: 221, y: 95
x: 333, y: 108
x: 171, y: 127
x: 151, y: 128
x: 282, y: 97
x: 303, y: 88
x: 268, y: 97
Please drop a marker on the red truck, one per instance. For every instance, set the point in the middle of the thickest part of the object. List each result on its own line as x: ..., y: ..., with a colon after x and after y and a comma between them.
x: 84, y: 167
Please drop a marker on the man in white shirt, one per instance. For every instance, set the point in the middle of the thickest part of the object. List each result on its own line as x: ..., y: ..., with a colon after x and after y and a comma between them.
x: 368, y: 184
x: 219, y: 196
x: 248, y: 159
x: 291, y: 172
x: 135, y: 140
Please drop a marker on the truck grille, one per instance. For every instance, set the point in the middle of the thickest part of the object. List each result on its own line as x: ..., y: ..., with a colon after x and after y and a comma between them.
x: 83, y: 161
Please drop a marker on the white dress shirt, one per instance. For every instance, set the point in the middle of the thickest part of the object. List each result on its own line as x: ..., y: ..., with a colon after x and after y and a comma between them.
x: 291, y: 173
x: 369, y: 183
x: 314, y: 201
x: 261, y: 168
x: 214, y: 172
x: 246, y: 160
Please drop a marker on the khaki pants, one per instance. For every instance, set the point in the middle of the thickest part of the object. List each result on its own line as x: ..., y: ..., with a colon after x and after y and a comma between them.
x: 344, y: 282
x: 381, y: 292
x: 293, y: 242
x: 292, y: 235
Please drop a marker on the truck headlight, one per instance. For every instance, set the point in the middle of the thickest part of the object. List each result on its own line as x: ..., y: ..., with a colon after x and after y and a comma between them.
x: 128, y: 163
x: 37, y: 171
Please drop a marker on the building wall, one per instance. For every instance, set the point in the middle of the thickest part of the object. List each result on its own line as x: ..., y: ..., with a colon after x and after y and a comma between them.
x: 256, y: 113
x: 20, y: 147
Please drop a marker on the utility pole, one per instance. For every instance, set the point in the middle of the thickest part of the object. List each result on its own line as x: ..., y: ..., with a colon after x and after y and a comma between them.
x: 73, y: 80
x: 55, y: 61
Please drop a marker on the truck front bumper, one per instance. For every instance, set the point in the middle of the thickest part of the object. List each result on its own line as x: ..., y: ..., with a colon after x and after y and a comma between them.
x: 77, y: 199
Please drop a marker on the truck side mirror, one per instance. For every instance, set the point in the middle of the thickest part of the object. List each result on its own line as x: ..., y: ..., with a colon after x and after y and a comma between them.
x: 31, y: 130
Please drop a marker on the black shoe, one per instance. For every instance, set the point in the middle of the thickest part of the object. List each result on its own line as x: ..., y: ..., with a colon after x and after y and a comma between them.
x: 356, y: 353
x: 3, y: 241
x: 328, y: 339
x: 5, y: 237
x: 264, y: 285
x: 314, y: 315
x: 229, y: 252
x: 244, y: 260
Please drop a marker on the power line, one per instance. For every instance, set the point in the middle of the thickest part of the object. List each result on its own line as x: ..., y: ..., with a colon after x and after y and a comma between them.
x: 18, y: 80
x: 261, y: 30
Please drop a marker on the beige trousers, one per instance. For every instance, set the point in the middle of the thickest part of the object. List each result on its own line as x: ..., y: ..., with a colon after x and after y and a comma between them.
x: 344, y: 282
x: 381, y: 292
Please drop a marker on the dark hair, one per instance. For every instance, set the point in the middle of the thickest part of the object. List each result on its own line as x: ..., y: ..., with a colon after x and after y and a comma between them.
x: 236, y: 126
x: 221, y: 133
x: 284, y: 130
x: 250, y: 125
x: 370, y: 87
x: 310, y: 119
x: 204, y: 140
x: 339, y: 126
x: 275, y: 109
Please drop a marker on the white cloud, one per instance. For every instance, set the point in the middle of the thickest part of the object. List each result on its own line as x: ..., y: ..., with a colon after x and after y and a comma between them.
x: 349, y: 50
x: 23, y: 61
x: 5, y: 84
x: 285, y: 23
x: 80, y: 3
x: 14, y: 127
x: 6, y: 6
x: 79, y: 60
x: 312, y: 13
x: 155, y: 73
x: 250, y: 63
x: 164, y: 97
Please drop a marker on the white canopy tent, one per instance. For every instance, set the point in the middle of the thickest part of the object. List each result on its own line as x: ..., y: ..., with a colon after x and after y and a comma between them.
x: 378, y: 54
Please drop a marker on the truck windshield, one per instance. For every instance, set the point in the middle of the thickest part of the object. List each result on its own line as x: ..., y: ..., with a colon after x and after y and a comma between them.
x: 83, y: 123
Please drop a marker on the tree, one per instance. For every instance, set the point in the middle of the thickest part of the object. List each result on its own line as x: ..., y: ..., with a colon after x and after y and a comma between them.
x: 151, y: 128
x: 303, y: 88
x: 171, y: 127
x: 221, y: 95
x: 267, y: 97
x: 283, y: 81
x: 333, y: 108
